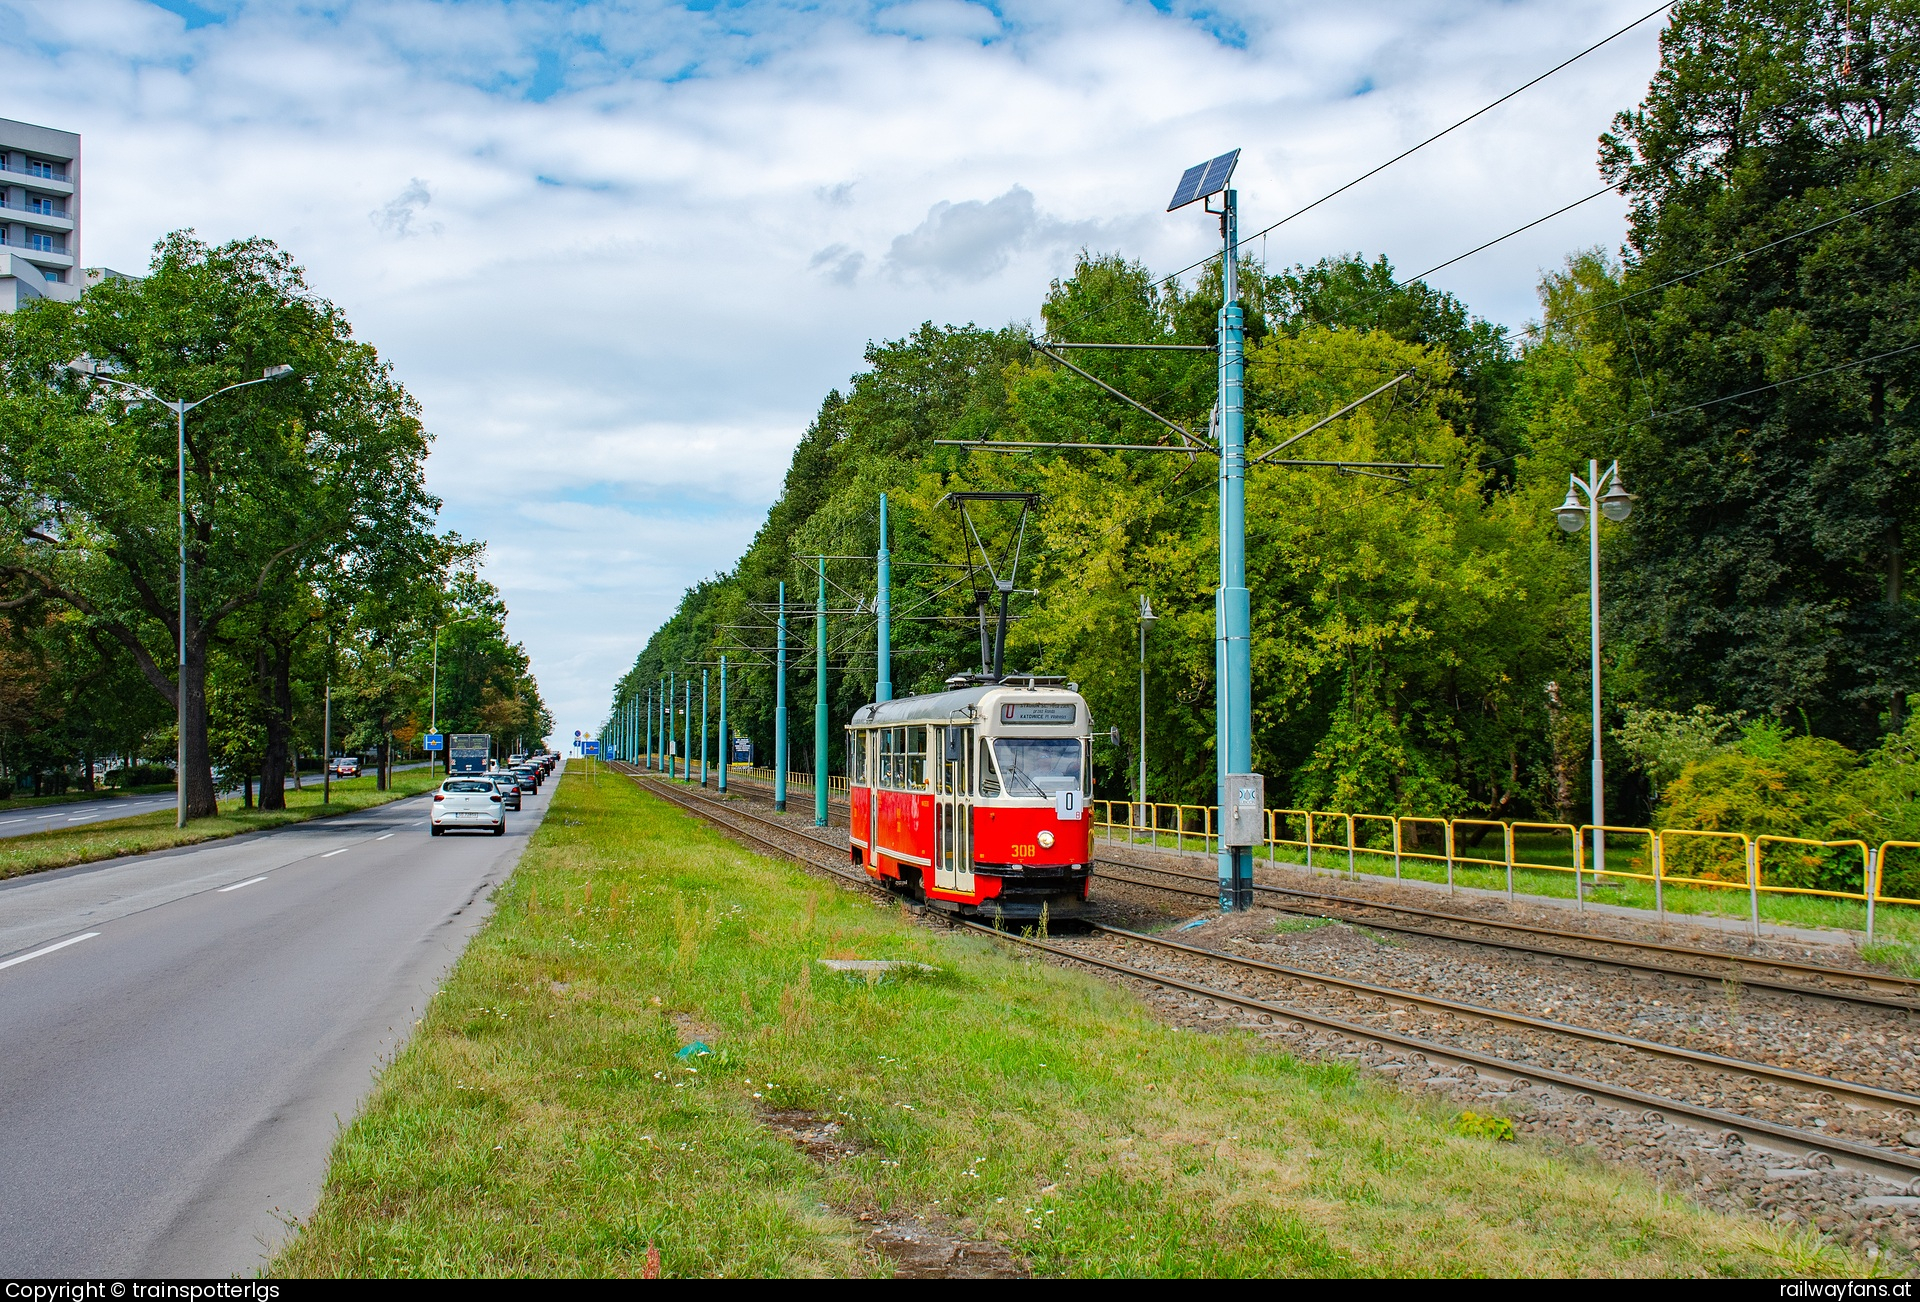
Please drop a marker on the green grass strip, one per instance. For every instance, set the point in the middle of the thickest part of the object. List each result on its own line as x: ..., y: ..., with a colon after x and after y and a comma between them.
x: 64, y: 847
x: 541, y: 1121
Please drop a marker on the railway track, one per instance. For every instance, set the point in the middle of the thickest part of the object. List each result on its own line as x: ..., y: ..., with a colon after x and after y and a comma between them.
x: 1653, y: 1110
x: 1850, y: 985
x: 1846, y: 985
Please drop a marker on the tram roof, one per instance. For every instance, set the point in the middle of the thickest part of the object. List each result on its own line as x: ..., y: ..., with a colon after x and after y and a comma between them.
x: 946, y: 707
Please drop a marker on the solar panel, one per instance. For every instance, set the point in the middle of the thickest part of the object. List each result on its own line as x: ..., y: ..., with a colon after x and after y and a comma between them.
x: 1189, y: 188
x: 1204, y: 179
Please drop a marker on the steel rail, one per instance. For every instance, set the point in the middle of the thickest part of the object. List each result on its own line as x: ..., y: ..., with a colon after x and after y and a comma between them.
x: 1790, y: 1140
x: 1704, y: 955
x: 1885, y: 1164
x: 1871, y: 1095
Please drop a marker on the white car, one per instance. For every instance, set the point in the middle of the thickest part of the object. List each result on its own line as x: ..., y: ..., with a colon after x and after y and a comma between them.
x: 468, y: 802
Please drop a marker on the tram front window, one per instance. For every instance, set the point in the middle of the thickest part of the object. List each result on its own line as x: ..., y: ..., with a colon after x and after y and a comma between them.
x: 1039, y: 766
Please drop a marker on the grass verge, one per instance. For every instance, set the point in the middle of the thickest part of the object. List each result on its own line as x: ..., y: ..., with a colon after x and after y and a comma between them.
x: 18, y: 802
x: 542, y: 1120
x: 143, y: 833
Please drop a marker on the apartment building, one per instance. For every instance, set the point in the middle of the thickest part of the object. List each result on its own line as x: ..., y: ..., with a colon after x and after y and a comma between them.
x: 39, y: 214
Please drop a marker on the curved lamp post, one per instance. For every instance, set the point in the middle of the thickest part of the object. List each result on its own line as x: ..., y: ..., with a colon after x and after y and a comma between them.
x: 90, y: 369
x: 1616, y: 503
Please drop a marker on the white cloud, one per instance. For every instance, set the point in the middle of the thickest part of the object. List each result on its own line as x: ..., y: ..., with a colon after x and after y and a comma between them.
x: 971, y: 240
x: 620, y: 251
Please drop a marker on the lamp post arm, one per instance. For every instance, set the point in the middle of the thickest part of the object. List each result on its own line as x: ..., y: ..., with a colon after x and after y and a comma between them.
x: 265, y: 379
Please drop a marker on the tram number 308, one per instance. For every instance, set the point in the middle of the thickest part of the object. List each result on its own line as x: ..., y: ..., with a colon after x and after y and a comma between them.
x: 1025, y: 851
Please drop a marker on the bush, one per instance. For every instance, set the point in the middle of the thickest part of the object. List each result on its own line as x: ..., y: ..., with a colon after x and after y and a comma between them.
x: 144, y: 775
x: 1771, y: 783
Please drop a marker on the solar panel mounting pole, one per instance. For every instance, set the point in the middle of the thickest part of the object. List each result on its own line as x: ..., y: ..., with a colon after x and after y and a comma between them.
x: 780, y: 709
x: 1232, y: 616
x: 1233, y: 690
x: 883, y: 607
x: 726, y: 737
x: 820, y: 702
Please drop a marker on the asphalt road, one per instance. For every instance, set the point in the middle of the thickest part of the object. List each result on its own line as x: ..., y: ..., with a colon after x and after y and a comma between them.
x: 105, y: 810
x: 185, y: 1032
x: 47, y: 818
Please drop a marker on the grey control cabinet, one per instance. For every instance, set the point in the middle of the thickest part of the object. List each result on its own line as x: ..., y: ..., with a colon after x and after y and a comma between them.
x: 1243, y: 812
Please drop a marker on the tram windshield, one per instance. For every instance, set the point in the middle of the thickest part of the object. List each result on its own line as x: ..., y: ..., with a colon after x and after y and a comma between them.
x: 1038, y: 766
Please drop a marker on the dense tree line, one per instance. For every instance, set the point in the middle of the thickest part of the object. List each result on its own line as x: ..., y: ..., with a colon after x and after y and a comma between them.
x: 1421, y: 647
x: 312, y: 558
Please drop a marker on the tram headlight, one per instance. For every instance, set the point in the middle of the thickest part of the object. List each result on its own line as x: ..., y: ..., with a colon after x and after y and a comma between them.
x: 1045, y: 839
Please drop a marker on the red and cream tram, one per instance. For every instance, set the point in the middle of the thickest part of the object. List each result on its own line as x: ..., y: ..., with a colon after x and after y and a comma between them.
x: 975, y: 799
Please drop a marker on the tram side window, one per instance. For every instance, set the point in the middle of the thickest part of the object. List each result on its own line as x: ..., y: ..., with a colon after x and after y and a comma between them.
x: 989, y: 777
x: 886, y: 757
x: 916, y: 754
x: 857, y: 758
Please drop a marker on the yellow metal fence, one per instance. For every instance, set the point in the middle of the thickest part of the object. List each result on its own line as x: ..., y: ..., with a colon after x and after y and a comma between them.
x: 1675, y: 856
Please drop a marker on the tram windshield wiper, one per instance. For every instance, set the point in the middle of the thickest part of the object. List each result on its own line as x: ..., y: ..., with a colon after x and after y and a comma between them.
x: 1038, y: 766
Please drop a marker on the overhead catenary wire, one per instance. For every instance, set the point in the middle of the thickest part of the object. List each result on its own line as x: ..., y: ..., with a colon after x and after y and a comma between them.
x: 1402, y: 155
x: 1771, y: 244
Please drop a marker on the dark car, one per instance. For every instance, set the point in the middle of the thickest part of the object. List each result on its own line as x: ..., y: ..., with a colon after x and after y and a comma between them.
x: 531, y: 776
x: 509, y: 789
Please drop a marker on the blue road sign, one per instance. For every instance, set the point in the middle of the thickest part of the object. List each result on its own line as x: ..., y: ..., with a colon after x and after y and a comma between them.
x: 590, y: 748
x: 433, y: 741
x: 743, y: 750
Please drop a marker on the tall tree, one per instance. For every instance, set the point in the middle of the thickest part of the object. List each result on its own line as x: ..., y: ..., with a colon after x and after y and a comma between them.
x: 285, y: 481
x: 1773, y: 269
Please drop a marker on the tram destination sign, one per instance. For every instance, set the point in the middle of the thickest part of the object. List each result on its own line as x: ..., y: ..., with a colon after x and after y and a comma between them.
x: 1038, y: 712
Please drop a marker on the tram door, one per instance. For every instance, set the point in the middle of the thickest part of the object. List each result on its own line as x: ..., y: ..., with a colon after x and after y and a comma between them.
x: 869, y: 742
x: 953, y: 811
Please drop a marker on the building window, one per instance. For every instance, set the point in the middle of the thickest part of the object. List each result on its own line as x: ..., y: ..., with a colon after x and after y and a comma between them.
x: 56, y: 276
x: 46, y: 243
x: 41, y: 167
x: 40, y: 203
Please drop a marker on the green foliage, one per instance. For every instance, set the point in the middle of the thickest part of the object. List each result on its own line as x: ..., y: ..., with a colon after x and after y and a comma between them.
x: 1663, y: 743
x: 1474, y: 1126
x: 1766, y: 566
x: 309, y: 527
x: 1772, y: 783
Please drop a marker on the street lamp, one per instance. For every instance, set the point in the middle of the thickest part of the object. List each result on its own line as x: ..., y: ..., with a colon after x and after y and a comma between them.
x: 433, y: 708
x: 1146, y: 622
x: 90, y: 369
x: 1615, y: 503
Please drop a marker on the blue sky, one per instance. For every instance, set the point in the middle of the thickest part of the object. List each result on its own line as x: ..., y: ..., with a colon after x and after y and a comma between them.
x: 621, y: 250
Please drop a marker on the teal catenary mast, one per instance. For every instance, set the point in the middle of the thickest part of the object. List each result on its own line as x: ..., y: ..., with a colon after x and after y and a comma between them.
x: 820, y: 702
x: 726, y: 737
x: 1232, y: 623
x: 686, y: 728
x: 703, y: 729
x: 1233, y: 614
x: 883, y: 608
x: 668, y: 746
x: 780, y: 708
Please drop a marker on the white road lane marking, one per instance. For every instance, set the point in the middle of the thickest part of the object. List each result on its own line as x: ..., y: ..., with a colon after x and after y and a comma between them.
x: 382, y: 838
x: 237, y: 885
x: 11, y: 821
x: 342, y: 850
x: 79, y: 818
x: 58, y: 944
